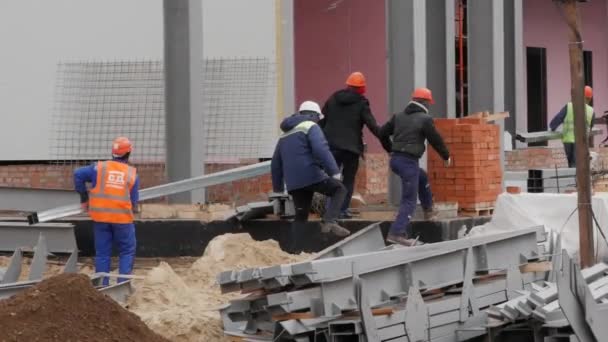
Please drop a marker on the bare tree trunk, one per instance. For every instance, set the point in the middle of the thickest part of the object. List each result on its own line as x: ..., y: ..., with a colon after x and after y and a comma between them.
x: 583, y: 178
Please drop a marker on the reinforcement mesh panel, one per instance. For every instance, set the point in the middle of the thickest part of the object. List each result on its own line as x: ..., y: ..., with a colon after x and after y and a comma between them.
x: 97, y: 101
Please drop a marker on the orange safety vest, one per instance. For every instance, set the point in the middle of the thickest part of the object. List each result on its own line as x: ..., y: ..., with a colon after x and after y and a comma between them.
x: 110, y: 199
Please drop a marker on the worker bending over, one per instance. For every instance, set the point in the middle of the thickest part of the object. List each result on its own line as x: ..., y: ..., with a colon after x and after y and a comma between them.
x: 346, y: 112
x: 410, y: 130
x: 302, y: 161
x: 565, y: 117
x: 111, y: 202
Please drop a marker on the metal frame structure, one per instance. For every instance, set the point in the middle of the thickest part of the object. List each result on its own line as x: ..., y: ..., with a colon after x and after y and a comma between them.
x: 59, y: 237
x: 340, y: 295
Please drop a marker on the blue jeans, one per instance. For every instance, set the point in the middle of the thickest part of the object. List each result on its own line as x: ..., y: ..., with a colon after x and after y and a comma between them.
x: 424, y: 191
x: 409, y: 172
x: 105, y: 235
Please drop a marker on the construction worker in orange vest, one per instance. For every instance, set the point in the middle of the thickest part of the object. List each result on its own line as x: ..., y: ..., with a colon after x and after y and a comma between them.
x: 111, y: 202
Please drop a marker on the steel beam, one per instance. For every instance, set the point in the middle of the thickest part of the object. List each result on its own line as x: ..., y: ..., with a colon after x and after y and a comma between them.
x: 38, y: 266
x: 120, y: 292
x: 13, y: 271
x: 11, y: 289
x: 491, y: 252
x: 59, y: 237
x: 366, y: 240
x: 569, y: 302
x: 166, y: 189
x: 29, y: 200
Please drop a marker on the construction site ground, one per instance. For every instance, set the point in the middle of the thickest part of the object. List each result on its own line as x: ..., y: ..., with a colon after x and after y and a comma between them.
x: 177, y: 297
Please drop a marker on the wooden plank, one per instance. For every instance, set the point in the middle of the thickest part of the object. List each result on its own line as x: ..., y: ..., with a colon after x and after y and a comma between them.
x: 309, y: 315
x: 541, y: 266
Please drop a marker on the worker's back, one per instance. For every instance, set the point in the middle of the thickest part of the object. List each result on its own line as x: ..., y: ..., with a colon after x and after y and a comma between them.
x: 343, y: 122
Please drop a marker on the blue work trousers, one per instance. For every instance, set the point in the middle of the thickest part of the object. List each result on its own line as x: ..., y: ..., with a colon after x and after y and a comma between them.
x: 424, y: 191
x: 408, y: 170
x: 105, y: 236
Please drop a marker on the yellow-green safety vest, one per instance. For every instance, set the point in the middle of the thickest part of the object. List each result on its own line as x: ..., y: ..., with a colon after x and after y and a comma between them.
x: 568, y: 130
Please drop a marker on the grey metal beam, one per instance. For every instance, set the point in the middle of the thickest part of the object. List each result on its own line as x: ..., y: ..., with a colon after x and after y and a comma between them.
x: 497, y: 251
x: 59, y: 237
x: 568, y: 300
x: 166, y: 189
x: 386, y: 282
x: 11, y: 289
x: 407, y: 62
x: 440, y: 52
x: 13, y: 272
x: 38, y: 266
x: 486, y: 53
x: 184, y: 115
x: 120, y: 292
x: 28, y: 200
x: 366, y: 240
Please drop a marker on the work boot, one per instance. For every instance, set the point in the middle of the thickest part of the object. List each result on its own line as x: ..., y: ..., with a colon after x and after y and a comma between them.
x: 330, y: 227
x: 430, y: 214
x: 402, y: 240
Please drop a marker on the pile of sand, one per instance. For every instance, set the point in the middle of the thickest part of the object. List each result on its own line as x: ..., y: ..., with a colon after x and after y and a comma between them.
x: 67, y: 308
x: 185, y: 308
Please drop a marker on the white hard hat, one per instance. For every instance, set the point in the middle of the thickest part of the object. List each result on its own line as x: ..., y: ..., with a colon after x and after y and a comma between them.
x: 310, y: 106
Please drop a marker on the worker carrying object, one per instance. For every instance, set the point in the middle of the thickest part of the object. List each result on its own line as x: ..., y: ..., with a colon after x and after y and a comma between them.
x: 410, y: 129
x: 302, y: 161
x: 565, y: 117
x: 346, y: 112
x: 111, y: 202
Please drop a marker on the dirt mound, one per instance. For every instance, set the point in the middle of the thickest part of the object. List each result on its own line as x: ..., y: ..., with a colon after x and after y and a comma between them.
x: 185, y: 309
x: 67, y: 308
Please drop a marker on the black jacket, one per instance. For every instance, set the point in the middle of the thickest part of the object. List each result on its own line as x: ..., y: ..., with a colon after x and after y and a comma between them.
x: 410, y: 129
x: 345, y: 114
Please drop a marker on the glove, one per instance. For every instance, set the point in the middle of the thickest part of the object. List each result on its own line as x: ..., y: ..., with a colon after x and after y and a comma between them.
x: 84, y: 206
x: 135, y: 209
x: 337, y: 176
x: 448, y: 162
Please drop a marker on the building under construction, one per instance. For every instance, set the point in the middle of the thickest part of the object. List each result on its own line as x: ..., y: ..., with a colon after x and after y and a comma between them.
x: 200, y: 87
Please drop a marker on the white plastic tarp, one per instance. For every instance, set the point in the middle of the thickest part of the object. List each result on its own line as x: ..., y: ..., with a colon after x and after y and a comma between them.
x: 556, y: 212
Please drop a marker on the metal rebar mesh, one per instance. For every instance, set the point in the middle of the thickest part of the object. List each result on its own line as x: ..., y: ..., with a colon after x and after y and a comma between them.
x: 97, y: 101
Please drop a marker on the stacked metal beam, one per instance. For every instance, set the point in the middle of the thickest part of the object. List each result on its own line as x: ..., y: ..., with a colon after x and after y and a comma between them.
x: 361, y: 289
x: 11, y: 283
x: 582, y: 294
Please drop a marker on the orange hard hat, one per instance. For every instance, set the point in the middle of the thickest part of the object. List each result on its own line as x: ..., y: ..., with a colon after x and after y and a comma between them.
x: 356, y: 79
x: 424, y: 94
x: 588, y: 92
x: 121, y: 146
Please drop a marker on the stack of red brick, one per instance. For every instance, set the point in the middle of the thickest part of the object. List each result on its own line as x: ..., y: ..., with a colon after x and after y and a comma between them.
x: 475, y: 178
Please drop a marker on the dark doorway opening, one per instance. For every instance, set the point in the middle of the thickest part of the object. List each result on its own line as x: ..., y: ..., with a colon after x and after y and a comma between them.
x: 588, y: 69
x: 536, y: 66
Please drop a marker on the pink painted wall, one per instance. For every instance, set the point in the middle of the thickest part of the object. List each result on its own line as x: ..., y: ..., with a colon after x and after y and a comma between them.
x: 330, y: 42
x: 545, y: 27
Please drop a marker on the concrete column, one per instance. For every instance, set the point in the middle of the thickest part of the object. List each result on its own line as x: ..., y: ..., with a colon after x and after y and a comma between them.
x: 287, y: 61
x: 486, y: 39
x: 185, y: 140
x: 441, y: 56
x: 407, y: 63
x: 515, y: 84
